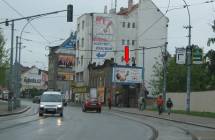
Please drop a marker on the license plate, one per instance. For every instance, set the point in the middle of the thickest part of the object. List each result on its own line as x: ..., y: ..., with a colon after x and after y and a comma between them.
x: 50, y: 109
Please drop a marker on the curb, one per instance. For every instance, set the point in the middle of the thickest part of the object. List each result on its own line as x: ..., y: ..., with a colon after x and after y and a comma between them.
x: 15, y: 113
x: 173, y: 120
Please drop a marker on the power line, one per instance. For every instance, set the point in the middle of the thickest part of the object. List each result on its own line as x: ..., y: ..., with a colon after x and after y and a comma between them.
x: 10, y: 6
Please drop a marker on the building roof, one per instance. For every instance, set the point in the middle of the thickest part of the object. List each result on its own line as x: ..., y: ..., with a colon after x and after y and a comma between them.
x: 126, y: 11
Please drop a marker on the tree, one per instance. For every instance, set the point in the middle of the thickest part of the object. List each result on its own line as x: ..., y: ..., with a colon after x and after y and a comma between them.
x: 3, y: 60
x: 211, y: 40
x: 156, y: 82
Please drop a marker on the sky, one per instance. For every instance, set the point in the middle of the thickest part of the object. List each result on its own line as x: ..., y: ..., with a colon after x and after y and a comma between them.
x: 54, y: 29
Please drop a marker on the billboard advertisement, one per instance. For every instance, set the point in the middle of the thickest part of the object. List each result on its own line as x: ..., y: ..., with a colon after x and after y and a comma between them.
x: 64, y: 76
x: 101, y: 94
x: 127, y: 75
x: 66, y: 61
x: 102, y: 38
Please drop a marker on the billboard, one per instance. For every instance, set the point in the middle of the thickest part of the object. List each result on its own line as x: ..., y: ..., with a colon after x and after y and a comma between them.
x: 101, y: 94
x: 127, y: 75
x: 64, y: 76
x: 66, y: 61
x: 102, y: 38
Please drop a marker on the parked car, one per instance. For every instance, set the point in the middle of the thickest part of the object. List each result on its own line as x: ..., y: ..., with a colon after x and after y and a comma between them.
x: 36, y: 99
x: 5, y: 95
x: 51, y: 102
x: 92, y: 104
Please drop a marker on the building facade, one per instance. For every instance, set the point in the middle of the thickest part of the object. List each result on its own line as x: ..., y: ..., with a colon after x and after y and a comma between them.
x: 61, y: 65
x: 102, y: 36
x: 34, y: 78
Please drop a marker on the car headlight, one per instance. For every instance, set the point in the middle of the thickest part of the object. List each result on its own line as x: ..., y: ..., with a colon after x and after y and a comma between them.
x: 59, y: 106
x: 41, y: 105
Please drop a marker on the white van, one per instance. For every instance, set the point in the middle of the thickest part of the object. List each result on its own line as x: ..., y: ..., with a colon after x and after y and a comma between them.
x: 51, y: 102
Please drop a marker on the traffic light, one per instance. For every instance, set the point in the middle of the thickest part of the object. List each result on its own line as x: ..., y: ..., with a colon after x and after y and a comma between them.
x: 6, y: 22
x: 69, y: 13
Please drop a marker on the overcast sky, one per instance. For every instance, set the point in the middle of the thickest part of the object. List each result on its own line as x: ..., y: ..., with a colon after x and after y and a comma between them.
x: 54, y: 28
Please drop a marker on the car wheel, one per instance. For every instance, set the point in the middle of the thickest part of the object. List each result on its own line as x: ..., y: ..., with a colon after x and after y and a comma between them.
x: 99, y: 110
x: 40, y: 114
x: 61, y: 114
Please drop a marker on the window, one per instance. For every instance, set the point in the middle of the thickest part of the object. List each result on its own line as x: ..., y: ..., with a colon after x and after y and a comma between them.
x: 78, y: 27
x: 129, y: 25
x: 77, y: 61
x: 82, y: 24
x: 78, y: 45
x: 82, y: 42
x: 128, y: 42
x: 82, y: 61
x: 133, y: 25
x: 133, y: 42
x: 81, y: 76
x: 123, y: 42
x: 123, y: 24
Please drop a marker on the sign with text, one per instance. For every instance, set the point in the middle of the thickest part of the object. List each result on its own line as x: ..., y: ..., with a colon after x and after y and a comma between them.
x: 180, y: 56
x: 127, y: 75
x: 197, y: 56
x: 102, y: 38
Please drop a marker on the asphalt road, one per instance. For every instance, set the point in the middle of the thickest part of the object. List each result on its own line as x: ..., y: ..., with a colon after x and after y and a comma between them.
x: 76, y: 125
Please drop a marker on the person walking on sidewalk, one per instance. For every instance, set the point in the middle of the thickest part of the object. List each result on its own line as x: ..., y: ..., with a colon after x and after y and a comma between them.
x: 140, y: 103
x: 109, y: 103
x: 169, y: 105
x: 160, y: 103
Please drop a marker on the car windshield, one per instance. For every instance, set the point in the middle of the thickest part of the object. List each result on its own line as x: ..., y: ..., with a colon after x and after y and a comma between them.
x: 51, y: 98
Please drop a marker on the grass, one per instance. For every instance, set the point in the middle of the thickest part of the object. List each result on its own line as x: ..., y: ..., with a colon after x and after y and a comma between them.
x: 192, y: 113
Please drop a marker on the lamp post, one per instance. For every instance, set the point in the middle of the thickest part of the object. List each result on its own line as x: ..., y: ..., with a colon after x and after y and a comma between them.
x: 188, y: 61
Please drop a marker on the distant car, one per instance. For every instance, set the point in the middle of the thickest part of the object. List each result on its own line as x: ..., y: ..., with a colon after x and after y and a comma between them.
x: 91, y: 104
x: 5, y: 95
x: 36, y: 99
x: 51, y: 102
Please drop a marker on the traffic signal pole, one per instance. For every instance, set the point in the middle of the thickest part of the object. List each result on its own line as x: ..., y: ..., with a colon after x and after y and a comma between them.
x: 11, y: 79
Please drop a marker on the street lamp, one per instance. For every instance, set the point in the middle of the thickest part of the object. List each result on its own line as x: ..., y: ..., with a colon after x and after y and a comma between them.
x: 188, y: 60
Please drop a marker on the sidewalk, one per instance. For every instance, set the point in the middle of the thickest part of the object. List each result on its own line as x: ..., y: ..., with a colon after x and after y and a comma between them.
x: 4, y: 109
x: 181, y: 118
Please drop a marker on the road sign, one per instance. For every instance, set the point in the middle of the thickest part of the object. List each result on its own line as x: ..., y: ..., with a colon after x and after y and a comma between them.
x: 197, y: 56
x: 180, y: 56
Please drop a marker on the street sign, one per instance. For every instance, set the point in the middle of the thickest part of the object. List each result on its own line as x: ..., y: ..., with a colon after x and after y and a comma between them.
x: 197, y: 56
x: 180, y: 56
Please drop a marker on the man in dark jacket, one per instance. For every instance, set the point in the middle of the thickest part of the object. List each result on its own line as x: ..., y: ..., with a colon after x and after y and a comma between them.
x: 169, y: 105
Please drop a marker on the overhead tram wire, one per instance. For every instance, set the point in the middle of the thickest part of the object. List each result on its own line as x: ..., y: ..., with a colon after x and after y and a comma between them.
x: 9, y: 5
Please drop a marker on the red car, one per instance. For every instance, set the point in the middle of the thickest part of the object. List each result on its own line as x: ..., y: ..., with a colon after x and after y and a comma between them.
x: 92, y: 104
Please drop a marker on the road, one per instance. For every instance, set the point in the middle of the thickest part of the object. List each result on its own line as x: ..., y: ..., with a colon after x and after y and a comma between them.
x: 76, y: 125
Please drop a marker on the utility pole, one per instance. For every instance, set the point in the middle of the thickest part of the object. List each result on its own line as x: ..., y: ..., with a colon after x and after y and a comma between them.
x: 188, y: 61
x: 10, y: 104
x: 165, y: 58
x: 16, y: 72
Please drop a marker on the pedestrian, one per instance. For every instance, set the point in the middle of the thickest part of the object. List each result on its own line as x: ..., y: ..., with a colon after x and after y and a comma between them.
x: 160, y: 103
x: 169, y: 105
x: 140, y: 103
x: 109, y: 103
x: 143, y: 104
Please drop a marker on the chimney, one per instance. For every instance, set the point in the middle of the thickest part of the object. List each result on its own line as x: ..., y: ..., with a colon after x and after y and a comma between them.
x: 105, y: 9
x: 130, y: 4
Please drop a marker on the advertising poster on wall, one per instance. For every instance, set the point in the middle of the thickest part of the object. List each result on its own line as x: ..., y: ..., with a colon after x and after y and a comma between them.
x: 101, y: 94
x: 102, y: 38
x: 66, y: 61
x: 127, y: 75
x: 64, y: 76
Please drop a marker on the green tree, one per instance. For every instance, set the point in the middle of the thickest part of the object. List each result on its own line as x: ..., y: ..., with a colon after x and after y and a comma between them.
x: 211, y: 40
x: 3, y: 60
x: 156, y: 82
